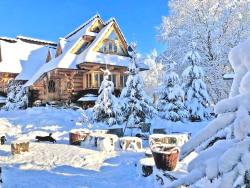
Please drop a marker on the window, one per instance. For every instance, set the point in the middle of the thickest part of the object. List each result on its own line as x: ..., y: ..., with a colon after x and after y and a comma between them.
x: 96, y: 83
x: 51, y: 86
x: 123, y: 80
x: 101, y: 78
x: 82, y: 45
x: 88, y: 80
x: 112, y: 45
x: 113, y: 79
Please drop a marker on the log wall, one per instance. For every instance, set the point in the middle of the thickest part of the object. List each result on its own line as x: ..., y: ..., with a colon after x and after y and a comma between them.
x: 69, y: 85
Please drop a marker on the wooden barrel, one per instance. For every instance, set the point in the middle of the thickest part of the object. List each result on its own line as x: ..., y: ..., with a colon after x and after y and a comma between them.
x: 75, y: 138
x: 165, y: 157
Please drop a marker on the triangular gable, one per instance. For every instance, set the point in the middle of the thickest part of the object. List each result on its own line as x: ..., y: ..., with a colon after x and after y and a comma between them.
x: 112, y: 42
x: 96, y: 26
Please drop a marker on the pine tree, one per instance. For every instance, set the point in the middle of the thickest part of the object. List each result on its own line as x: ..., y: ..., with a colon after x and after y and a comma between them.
x: 136, y: 105
x: 16, y: 96
x: 106, y: 108
x: 197, y: 100
x: 170, y: 104
x: 223, y: 158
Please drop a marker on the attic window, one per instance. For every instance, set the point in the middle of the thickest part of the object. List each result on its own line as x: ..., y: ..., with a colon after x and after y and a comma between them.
x: 82, y: 45
x: 112, y: 47
x: 51, y: 86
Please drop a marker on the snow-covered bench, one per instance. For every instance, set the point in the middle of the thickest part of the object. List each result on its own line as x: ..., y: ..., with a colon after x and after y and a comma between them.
x: 101, y: 140
x: 131, y: 143
x: 177, y: 139
x: 19, y: 146
x: 107, y: 142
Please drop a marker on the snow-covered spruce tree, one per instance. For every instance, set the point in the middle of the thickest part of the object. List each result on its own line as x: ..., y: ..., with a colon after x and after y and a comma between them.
x: 136, y: 106
x: 223, y: 146
x: 170, y: 104
x: 197, y: 100
x: 106, y: 108
x: 16, y: 96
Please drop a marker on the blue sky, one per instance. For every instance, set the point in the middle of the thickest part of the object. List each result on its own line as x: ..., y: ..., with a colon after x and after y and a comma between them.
x: 51, y: 19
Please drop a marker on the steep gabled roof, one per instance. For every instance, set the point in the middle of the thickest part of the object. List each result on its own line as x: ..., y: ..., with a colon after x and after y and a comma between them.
x: 21, y: 57
x: 69, y: 60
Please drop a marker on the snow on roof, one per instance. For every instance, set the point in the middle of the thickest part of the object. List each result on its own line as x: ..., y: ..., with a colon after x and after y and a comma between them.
x: 22, y: 57
x: 10, y: 63
x: 27, y: 60
x: 88, y: 97
x: 36, y: 59
x: 38, y: 41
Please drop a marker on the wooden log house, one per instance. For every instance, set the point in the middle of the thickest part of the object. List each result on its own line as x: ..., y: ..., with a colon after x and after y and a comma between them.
x: 73, y: 68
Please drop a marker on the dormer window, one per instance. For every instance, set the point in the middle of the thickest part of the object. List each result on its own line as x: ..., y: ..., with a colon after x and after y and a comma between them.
x: 96, y: 30
x: 82, y: 45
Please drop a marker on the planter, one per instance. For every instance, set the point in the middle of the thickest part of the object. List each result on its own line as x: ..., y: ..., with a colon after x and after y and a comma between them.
x: 165, y: 157
x: 75, y: 138
x: 116, y: 131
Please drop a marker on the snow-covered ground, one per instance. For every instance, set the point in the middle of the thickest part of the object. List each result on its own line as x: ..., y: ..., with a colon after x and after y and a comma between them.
x: 62, y: 165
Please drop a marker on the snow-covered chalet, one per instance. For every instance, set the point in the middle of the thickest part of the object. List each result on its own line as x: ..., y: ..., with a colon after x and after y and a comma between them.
x: 69, y: 69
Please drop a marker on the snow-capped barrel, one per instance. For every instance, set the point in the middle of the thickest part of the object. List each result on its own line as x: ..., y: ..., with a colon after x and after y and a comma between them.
x: 165, y: 156
x: 77, y: 136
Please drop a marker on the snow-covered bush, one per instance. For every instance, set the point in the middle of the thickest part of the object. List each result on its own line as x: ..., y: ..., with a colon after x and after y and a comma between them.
x: 136, y: 105
x: 170, y: 104
x: 106, y: 108
x: 16, y: 96
x: 197, y: 100
x: 224, y: 145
